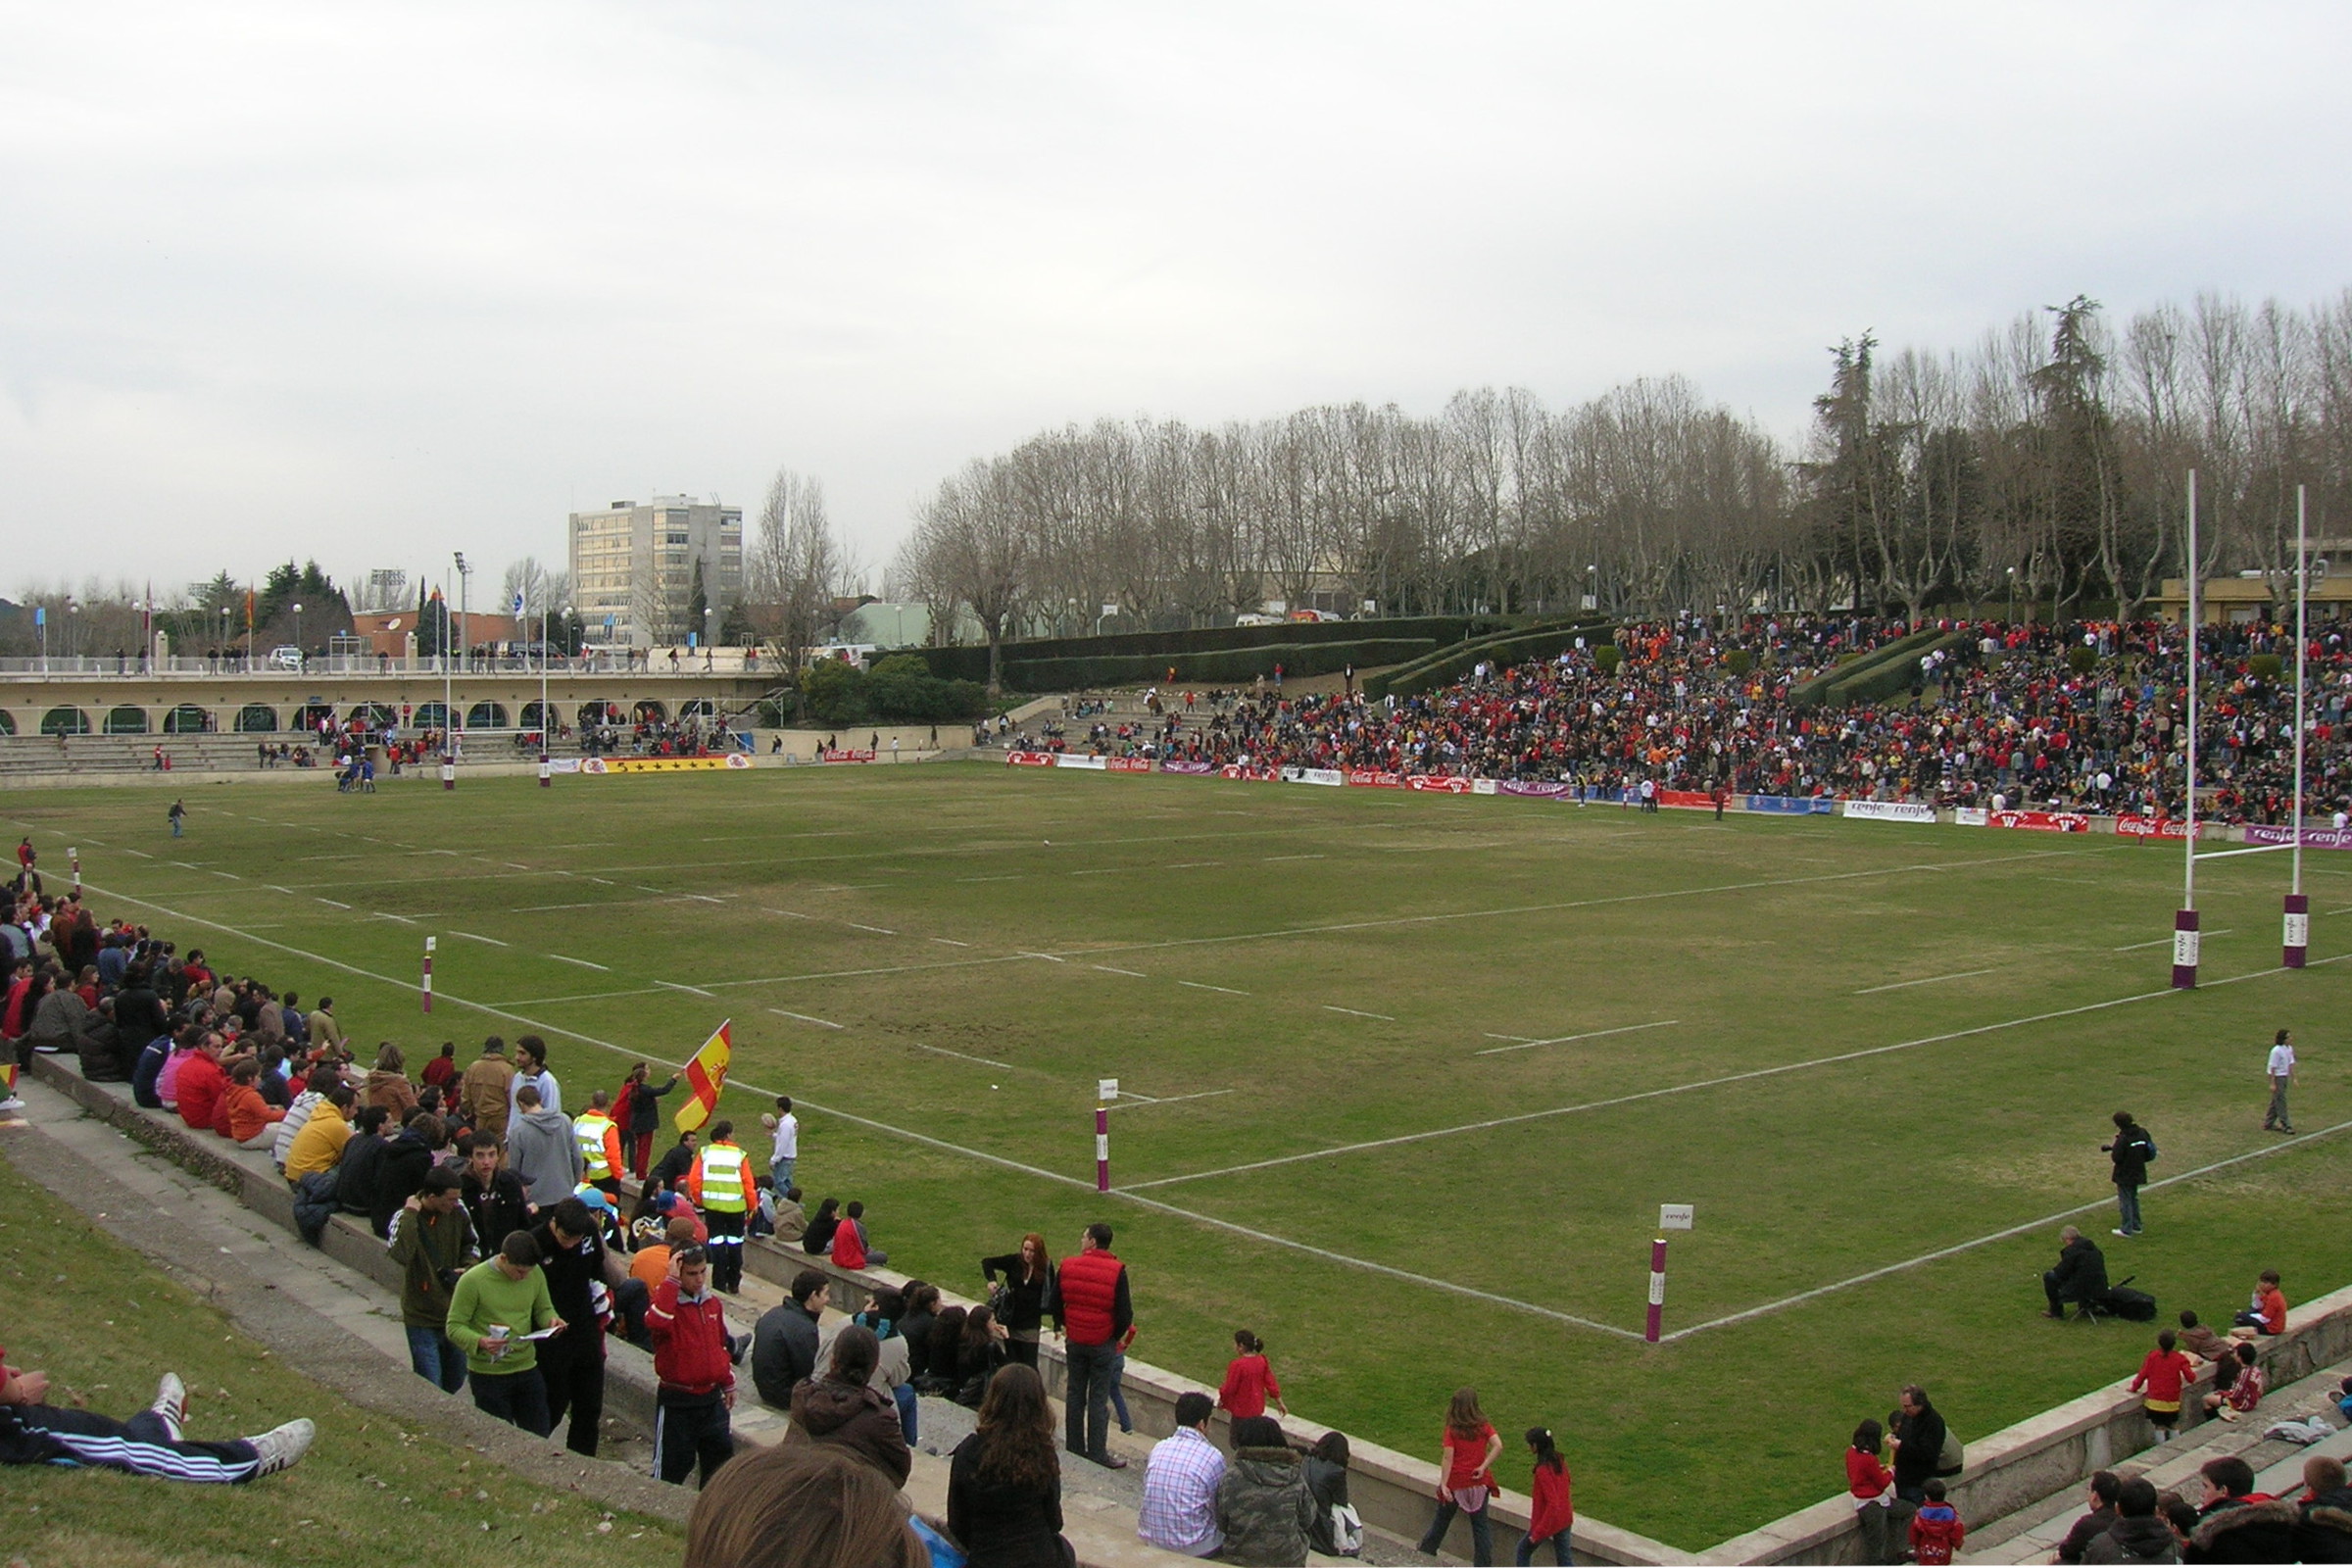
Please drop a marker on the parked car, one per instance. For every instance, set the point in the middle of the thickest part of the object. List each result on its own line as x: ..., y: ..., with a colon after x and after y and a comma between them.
x: 287, y: 656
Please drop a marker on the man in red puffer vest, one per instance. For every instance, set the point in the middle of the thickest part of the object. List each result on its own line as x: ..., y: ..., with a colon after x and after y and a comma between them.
x: 1094, y: 1313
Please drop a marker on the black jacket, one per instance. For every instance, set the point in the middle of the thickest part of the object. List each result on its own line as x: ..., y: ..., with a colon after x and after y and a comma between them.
x: 1923, y: 1448
x: 2131, y: 1150
x: 497, y: 1211
x: 2146, y: 1539
x: 2082, y: 1272
x: 2086, y: 1529
x: 1027, y: 1307
x: 999, y: 1526
x: 783, y: 1352
x: 2271, y: 1532
x: 645, y: 1106
x: 575, y: 1285
x: 676, y: 1163
x: 361, y: 1162
x: 399, y: 1174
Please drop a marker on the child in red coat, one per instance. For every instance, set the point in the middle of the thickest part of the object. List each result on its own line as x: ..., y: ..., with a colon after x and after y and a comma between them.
x: 1249, y: 1379
x: 1936, y: 1530
x: 2163, y: 1374
x: 1550, y: 1514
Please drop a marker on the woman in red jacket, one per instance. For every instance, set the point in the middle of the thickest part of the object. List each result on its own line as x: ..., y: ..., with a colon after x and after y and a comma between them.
x: 1466, y: 1477
x: 1250, y: 1380
x: 1870, y: 1485
x: 1552, y: 1516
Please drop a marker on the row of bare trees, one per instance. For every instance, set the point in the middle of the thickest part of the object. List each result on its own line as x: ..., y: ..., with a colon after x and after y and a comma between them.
x: 2047, y: 462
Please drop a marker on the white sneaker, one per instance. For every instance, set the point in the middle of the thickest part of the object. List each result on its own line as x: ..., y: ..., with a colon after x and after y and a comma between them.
x: 280, y: 1447
x: 2125, y: 1234
x: 172, y: 1402
x: 12, y: 1102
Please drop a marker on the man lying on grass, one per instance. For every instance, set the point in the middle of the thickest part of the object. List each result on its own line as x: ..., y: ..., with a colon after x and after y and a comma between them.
x: 149, y: 1443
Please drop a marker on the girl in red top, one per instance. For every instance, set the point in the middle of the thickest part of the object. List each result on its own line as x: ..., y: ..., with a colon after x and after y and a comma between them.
x: 1466, y: 1477
x: 2163, y: 1374
x: 1871, y: 1485
x: 1552, y: 1515
x: 1249, y: 1379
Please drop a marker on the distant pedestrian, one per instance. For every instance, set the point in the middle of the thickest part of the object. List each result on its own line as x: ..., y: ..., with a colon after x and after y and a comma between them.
x: 2131, y: 1150
x: 179, y: 814
x: 2281, y: 1070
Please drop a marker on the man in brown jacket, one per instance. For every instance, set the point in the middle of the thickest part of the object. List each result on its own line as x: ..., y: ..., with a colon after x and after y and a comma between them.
x: 482, y: 1092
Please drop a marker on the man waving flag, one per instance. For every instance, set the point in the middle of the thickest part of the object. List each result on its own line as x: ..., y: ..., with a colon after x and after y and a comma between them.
x: 706, y: 1075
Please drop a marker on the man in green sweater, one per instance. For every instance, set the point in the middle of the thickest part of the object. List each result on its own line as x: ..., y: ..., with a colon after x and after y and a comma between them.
x: 432, y: 1241
x: 494, y: 1306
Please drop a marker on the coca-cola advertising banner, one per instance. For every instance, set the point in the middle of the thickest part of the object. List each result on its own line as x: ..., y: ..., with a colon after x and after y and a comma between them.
x: 2151, y: 827
x: 2042, y: 821
x: 1127, y: 764
x: 1372, y: 779
x: 1891, y: 811
x: 2314, y: 838
x: 845, y: 755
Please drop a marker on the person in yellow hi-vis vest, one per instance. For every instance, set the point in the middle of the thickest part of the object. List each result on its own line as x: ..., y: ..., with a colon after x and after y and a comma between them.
x: 600, y: 1146
x: 719, y: 1185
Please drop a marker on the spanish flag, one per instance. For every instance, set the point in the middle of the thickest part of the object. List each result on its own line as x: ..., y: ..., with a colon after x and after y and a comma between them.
x: 706, y: 1076
x: 8, y: 1075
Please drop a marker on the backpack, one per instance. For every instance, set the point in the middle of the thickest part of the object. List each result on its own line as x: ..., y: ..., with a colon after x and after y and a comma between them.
x: 2149, y: 1142
x: 1948, y: 1458
x: 1346, y: 1530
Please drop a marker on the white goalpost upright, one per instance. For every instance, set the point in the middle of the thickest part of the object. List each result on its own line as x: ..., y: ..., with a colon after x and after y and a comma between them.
x: 2297, y: 938
x: 2184, y: 919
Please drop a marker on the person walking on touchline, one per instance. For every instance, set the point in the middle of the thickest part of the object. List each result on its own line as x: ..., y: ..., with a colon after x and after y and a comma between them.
x: 2283, y: 1076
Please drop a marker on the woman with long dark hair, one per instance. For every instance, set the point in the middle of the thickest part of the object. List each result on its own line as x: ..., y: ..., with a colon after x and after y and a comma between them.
x: 1552, y: 1511
x: 978, y: 1354
x: 1005, y: 1480
x: 1020, y: 1305
x: 1466, y: 1477
x: 817, y: 1240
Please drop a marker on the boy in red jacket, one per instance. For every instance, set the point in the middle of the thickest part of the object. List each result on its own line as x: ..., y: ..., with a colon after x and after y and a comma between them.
x: 1936, y: 1530
x: 694, y: 1358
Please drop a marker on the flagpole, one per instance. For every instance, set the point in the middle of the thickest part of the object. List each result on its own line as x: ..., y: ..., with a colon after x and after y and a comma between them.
x: 2297, y: 942
x: 545, y: 732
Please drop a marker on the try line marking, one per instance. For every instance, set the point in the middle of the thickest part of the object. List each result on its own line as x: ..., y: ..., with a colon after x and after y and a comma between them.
x: 1561, y: 1040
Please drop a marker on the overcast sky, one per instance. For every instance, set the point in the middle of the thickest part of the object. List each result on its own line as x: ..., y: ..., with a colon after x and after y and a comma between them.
x: 377, y: 284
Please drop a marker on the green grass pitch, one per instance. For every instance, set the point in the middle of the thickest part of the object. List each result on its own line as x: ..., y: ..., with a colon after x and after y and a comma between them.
x: 1560, y: 1019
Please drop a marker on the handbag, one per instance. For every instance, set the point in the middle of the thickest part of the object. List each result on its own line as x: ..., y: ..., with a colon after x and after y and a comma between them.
x: 1346, y: 1530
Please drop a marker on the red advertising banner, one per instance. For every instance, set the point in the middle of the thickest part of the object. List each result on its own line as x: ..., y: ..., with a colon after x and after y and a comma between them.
x: 2042, y: 821
x: 1029, y: 758
x: 1188, y: 767
x: 1687, y: 799
x: 1257, y: 775
x: 845, y: 757
x: 1435, y: 784
x: 1371, y: 779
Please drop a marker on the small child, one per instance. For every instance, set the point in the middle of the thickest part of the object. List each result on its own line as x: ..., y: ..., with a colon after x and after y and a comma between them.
x: 1936, y: 1530
x: 1249, y: 1379
x: 2162, y: 1374
x: 2343, y: 1399
x: 1550, y: 1514
x: 2267, y: 1310
x: 2237, y: 1385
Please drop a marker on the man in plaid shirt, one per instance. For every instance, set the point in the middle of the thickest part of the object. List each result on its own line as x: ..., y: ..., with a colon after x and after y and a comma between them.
x: 1180, y: 1485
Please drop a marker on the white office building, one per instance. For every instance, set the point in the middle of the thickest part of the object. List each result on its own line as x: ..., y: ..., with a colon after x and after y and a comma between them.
x: 634, y: 569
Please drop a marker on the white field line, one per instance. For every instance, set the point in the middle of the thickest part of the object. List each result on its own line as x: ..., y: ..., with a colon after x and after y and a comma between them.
x: 789, y: 914
x: 942, y: 1050
x: 825, y: 1023
x: 1132, y: 974
x: 1931, y: 980
x: 561, y: 957
x: 471, y: 936
x: 594, y: 904
x: 1140, y: 1101
x: 141, y: 853
x: 1955, y: 1250
x: 1349, y: 1012
x: 672, y: 985
x: 879, y: 931
x: 1687, y: 1088
x: 337, y: 906
x: 2259, y: 849
x: 1521, y: 1039
x: 231, y: 875
x: 379, y: 914
x: 2166, y: 941
x: 1562, y: 1039
x: 949, y: 942
x: 982, y: 1156
x: 1203, y: 985
x: 1047, y: 956
x: 275, y: 888
x: 584, y: 995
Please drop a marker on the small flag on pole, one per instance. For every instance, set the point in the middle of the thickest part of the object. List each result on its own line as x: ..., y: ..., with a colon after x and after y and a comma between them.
x: 7, y: 1076
x: 706, y: 1075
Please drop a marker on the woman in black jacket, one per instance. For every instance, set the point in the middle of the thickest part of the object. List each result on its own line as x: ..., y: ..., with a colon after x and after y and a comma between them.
x: 1028, y: 1289
x: 978, y: 1354
x: 921, y: 1311
x: 935, y: 1358
x: 1005, y: 1480
x: 821, y: 1226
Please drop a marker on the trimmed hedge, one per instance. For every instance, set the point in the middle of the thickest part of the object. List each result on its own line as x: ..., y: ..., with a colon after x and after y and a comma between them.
x: 971, y: 663
x: 1889, y: 678
x: 1217, y: 666
x: 1449, y: 665
x: 1815, y: 692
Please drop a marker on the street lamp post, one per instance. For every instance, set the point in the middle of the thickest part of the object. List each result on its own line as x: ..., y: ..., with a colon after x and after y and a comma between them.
x: 297, y: 655
x: 2012, y: 595
x: 465, y: 582
x: 225, y: 645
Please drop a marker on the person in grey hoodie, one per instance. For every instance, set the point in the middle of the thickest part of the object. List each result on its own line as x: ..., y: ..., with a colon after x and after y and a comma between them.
x: 543, y: 1151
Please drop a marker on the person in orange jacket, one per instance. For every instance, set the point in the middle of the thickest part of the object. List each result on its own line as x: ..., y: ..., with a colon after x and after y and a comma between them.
x: 245, y: 1117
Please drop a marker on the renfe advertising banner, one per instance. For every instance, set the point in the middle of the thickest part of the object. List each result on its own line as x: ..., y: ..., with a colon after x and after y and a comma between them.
x: 2314, y: 838
x: 1891, y: 811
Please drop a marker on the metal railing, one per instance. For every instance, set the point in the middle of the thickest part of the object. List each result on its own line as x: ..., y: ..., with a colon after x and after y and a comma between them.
x: 60, y: 666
